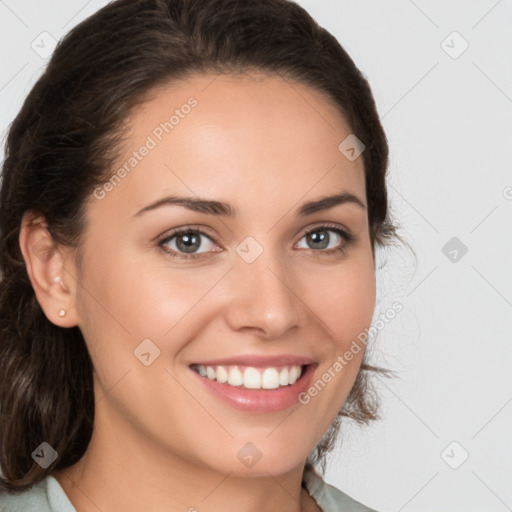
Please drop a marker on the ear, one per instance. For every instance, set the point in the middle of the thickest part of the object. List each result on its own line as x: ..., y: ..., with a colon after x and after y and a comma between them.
x: 51, y: 270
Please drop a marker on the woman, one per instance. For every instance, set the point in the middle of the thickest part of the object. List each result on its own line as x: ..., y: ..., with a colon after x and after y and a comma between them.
x: 192, y: 197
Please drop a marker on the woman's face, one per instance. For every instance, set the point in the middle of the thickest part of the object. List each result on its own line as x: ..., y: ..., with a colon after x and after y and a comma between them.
x: 243, y: 287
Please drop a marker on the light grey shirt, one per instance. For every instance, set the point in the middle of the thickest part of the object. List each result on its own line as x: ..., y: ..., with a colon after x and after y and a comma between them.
x: 48, y: 496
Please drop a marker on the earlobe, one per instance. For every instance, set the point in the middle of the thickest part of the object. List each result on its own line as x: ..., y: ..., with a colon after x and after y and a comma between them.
x: 46, y: 266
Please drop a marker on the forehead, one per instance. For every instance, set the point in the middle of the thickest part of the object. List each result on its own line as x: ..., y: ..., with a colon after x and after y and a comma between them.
x: 253, y: 135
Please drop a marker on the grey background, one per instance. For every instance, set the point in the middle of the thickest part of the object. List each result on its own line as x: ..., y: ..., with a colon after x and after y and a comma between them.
x: 448, y: 117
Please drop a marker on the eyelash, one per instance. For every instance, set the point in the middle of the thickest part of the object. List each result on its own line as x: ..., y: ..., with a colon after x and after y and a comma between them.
x: 346, y: 236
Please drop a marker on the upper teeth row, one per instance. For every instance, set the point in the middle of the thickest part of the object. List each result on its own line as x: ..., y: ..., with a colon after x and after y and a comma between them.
x: 251, y: 378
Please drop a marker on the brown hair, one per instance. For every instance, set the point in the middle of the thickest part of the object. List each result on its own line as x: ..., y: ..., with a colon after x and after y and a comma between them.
x: 63, y: 143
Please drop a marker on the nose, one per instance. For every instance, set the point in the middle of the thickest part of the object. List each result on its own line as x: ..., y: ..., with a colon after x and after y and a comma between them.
x: 263, y: 298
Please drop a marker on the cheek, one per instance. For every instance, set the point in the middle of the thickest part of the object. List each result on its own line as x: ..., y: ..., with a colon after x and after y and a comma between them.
x: 127, y: 300
x: 159, y: 301
x: 345, y: 307
x: 344, y: 299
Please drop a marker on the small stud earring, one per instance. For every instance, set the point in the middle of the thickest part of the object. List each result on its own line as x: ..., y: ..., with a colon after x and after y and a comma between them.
x: 62, y: 312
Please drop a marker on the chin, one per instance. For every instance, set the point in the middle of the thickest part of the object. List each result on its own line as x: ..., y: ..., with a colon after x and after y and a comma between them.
x: 258, y: 458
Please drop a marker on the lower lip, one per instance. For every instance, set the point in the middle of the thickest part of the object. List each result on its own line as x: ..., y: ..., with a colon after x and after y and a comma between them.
x: 259, y: 400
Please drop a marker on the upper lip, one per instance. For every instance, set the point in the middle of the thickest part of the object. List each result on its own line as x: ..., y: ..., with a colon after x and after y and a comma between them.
x: 259, y: 361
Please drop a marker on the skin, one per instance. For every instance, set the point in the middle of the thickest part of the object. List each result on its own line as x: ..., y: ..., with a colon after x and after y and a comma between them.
x: 161, y: 442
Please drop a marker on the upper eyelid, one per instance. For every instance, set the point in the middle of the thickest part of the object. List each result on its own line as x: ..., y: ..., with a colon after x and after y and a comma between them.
x: 185, y: 229
x: 325, y: 225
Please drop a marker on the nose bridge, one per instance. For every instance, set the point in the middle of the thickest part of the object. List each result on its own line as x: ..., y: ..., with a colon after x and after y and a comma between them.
x: 262, y: 294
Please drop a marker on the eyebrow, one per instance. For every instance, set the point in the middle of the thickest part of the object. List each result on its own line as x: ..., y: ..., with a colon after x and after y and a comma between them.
x: 223, y: 209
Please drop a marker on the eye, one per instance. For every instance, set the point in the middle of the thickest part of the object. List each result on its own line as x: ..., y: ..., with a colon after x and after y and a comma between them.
x: 326, y: 239
x: 190, y: 242
x: 186, y: 243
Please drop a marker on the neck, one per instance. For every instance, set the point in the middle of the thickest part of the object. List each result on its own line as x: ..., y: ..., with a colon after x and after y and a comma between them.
x: 122, y: 470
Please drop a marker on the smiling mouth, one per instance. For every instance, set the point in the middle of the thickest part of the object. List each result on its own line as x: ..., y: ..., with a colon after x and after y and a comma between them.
x: 250, y: 377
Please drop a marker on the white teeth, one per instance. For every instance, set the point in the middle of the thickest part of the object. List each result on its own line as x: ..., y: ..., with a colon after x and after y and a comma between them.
x: 222, y: 374
x: 235, y: 377
x: 283, y: 377
x: 294, y: 374
x: 270, y: 379
x: 252, y: 378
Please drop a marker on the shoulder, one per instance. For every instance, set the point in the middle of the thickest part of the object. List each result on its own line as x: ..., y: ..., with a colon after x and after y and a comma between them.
x: 29, y: 500
x: 45, y: 496
x: 330, y: 499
